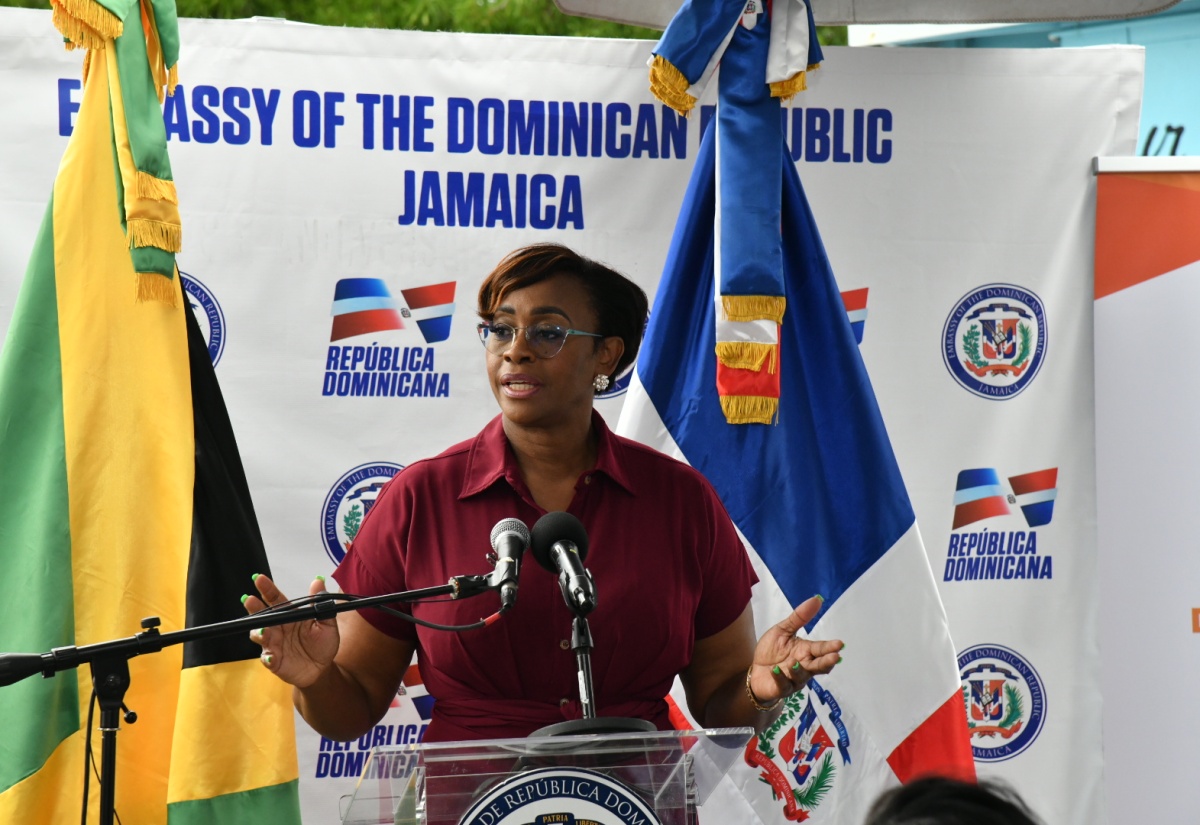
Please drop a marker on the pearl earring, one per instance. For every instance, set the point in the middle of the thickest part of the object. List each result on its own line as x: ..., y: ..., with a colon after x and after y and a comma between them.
x: 600, y: 382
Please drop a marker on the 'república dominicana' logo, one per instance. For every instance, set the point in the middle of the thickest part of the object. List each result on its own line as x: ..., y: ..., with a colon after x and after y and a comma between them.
x: 373, y: 350
x: 569, y: 796
x: 348, y: 503
x: 208, y: 315
x: 994, y: 340
x: 1005, y: 699
x: 801, y: 753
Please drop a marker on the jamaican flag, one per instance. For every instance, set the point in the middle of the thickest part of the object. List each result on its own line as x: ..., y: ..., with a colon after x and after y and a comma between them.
x: 121, y: 492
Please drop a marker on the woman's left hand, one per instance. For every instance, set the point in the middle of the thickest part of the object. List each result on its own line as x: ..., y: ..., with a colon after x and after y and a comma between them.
x: 783, y: 662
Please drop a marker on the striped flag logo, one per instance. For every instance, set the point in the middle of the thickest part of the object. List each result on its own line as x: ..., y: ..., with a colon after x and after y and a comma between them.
x: 432, y: 307
x: 1035, y: 494
x: 362, y: 306
x: 855, y: 301
x: 977, y: 496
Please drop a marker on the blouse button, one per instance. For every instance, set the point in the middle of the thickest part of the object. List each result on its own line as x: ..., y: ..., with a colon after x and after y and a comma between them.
x: 562, y: 703
x: 587, y: 479
x: 564, y: 644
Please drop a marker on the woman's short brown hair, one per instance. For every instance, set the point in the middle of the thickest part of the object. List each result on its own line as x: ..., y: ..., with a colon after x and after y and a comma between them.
x: 620, y: 304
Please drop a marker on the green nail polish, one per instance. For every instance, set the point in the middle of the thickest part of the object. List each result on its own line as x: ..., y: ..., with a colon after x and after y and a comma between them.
x: 819, y: 596
x: 320, y: 578
x: 776, y: 670
x: 796, y: 666
x: 254, y: 577
x: 259, y: 632
x: 839, y: 660
x: 267, y: 659
x: 244, y: 597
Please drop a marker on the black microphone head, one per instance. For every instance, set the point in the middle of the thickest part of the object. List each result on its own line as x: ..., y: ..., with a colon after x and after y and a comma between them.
x: 555, y: 527
x: 510, y: 525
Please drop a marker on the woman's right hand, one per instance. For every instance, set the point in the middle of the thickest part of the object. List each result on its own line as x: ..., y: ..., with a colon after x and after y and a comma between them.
x: 298, y: 653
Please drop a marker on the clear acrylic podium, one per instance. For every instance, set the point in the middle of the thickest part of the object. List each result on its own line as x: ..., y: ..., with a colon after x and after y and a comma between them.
x: 670, y: 772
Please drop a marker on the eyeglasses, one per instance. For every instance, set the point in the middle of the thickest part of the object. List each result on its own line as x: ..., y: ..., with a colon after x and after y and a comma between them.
x: 545, y: 340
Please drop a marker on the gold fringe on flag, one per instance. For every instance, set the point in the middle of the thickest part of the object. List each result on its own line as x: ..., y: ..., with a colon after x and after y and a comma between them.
x: 143, y: 232
x: 77, y: 34
x: 669, y: 85
x: 754, y: 307
x: 787, y: 89
x: 154, y: 286
x: 82, y: 20
x: 746, y: 355
x: 749, y: 409
x: 149, y: 186
x: 172, y: 79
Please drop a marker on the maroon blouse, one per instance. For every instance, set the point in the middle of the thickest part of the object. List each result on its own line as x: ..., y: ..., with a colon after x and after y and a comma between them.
x: 668, y: 565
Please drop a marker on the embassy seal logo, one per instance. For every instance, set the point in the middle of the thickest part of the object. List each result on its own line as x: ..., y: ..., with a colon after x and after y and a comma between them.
x: 1006, y: 703
x: 208, y: 315
x: 994, y: 340
x: 365, y: 306
x: 1000, y: 554
x: 348, y: 503
x: 800, y: 754
x: 560, y: 795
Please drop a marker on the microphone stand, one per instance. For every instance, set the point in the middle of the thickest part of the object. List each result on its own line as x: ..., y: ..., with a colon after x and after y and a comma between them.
x: 110, y: 660
x: 581, y: 643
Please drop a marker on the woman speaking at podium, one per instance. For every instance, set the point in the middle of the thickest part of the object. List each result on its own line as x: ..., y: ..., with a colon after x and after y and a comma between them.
x: 672, y: 576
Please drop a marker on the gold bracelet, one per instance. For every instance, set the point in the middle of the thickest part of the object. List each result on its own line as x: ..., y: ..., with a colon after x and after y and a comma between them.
x: 754, y: 700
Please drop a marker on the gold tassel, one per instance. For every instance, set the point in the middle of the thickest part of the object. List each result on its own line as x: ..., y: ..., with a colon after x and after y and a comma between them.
x: 754, y: 307
x: 749, y: 409
x: 77, y: 33
x: 154, y: 286
x: 149, y: 186
x: 86, y: 14
x: 165, y: 236
x: 172, y: 79
x: 787, y: 89
x: 669, y: 85
x: 745, y: 355
x: 87, y: 64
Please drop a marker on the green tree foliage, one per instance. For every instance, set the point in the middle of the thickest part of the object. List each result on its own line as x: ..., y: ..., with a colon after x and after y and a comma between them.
x: 535, y: 17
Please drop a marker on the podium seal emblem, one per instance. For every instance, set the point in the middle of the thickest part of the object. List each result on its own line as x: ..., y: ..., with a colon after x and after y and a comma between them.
x: 569, y: 796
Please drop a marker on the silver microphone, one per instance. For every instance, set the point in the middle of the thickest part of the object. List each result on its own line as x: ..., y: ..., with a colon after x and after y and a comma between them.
x: 510, y: 537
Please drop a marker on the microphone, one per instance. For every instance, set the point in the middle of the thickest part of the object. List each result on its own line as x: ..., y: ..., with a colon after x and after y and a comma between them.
x: 510, y: 537
x: 560, y: 545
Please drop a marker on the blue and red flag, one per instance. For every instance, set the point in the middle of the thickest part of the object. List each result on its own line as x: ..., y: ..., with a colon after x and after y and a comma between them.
x: 362, y: 306
x: 816, y: 493
x: 432, y: 307
x: 1035, y: 493
x: 978, y: 495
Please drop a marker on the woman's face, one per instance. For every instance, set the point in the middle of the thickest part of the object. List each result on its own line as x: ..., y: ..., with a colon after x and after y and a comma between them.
x: 542, y: 392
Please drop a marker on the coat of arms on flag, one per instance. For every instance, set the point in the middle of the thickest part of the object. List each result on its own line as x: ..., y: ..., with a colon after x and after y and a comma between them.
x: 824, y: 508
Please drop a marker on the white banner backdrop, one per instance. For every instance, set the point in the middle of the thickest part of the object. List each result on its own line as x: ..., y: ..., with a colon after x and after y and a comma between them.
x: 953, y: 191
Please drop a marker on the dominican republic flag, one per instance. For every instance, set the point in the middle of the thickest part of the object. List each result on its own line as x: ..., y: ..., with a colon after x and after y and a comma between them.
x: 819, y: 500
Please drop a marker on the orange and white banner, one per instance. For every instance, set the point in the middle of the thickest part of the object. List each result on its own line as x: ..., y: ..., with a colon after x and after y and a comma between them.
x: 1147, y: 441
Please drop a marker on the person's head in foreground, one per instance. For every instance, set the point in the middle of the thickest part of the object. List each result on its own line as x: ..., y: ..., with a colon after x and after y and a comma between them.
x: 939, y: 801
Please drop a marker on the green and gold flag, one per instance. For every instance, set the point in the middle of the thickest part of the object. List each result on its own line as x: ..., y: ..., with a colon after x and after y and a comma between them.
x: 121, y: 492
